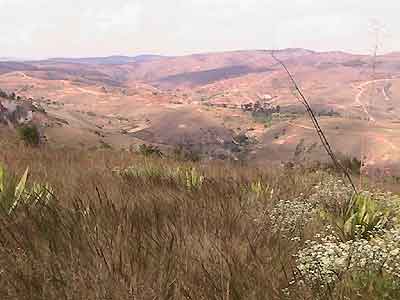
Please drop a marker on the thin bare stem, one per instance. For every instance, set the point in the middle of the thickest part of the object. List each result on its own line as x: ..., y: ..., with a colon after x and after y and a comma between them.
x: 303, y: 100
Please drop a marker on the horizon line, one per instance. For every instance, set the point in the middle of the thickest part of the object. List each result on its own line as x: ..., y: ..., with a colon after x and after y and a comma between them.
x: 27, y: 59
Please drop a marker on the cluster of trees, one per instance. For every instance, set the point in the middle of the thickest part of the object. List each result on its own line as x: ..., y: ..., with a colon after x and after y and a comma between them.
x: 263, y: 107
x: 328, y: 113
x: 261, y: 111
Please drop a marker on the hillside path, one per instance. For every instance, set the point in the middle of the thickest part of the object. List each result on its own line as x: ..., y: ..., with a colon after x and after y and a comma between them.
x: 362, y: 88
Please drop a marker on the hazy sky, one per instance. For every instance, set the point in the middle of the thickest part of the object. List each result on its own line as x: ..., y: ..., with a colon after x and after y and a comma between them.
x: 50, y: 28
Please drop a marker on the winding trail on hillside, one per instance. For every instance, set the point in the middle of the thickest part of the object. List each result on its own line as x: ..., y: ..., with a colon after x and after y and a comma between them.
x: 362, y: 89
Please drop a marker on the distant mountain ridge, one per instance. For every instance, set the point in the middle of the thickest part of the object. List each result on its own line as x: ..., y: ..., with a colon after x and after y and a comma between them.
x: 108, y: 60
x: 169, y: 72
x: 123, y: 59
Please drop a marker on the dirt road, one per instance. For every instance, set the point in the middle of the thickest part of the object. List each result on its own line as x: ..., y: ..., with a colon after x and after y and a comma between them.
x: 362, y: 89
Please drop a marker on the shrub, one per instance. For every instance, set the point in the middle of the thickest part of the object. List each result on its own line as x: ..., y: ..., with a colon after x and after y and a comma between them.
x: 364, y: 215
x: 368, y: 266
x: 183, y: 153
x: 352, y: 164
x: 150, y: 150
x: 29, y: 134
x: 357, y: 249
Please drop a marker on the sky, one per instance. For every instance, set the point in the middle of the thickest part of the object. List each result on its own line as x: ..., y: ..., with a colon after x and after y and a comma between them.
x: 82, y: 28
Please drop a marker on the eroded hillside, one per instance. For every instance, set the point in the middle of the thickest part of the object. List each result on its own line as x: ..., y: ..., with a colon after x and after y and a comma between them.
x: 234, y: 104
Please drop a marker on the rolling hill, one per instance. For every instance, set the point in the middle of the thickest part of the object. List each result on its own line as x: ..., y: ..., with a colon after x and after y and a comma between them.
x: 208, y: 100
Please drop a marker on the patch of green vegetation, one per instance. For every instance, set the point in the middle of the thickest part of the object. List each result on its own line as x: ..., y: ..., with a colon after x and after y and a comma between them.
x: 150, y: 150
x: 29, y: 134
x: 15, y: 193
x: 263, y: 118
x: 104, y: 145
x: 188, y: 177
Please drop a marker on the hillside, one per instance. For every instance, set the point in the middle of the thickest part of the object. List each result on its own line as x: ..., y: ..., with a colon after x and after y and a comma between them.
x: 210, y: 101
x: 200, y: 177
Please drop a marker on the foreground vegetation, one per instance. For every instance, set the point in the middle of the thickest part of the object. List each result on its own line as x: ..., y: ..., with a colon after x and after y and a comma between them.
x: 117, y: 225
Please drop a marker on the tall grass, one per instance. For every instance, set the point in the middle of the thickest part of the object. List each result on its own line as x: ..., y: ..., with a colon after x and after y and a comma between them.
x: 219, y: 233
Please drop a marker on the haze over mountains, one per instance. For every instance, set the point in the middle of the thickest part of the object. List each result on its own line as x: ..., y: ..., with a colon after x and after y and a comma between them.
x: 238, y: 104
x: 110, y: 60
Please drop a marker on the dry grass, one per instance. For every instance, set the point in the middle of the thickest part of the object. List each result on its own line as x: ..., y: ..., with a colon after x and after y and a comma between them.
x: 110, y: 237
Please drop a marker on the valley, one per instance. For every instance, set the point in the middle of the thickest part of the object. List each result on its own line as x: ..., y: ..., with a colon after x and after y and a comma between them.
x: 229, y: 105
